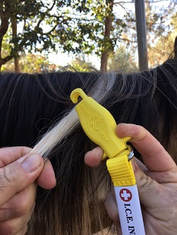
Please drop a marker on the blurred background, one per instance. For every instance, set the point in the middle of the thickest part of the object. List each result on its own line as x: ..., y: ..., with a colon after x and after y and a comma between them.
x: 85, y: 35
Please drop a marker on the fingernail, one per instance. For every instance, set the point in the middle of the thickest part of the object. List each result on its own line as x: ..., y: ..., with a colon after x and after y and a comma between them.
x: 31, y: 163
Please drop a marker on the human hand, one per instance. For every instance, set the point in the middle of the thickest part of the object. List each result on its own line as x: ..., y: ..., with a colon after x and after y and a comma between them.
x: 156, y: 181
x: 18, y: 171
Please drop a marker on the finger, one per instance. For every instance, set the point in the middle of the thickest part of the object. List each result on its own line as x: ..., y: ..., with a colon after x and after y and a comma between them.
x: 47, y: 178
x: 18, y: 175
x: 150, y: 191
x: 8, y: 155
x: 23, y: 231
x: 93, y: 157
x: 154, y: 155
x: 19, y: 205
x: 14, y: 226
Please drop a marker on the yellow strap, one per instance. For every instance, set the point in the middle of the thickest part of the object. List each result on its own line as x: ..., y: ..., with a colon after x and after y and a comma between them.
x: 121, y: 170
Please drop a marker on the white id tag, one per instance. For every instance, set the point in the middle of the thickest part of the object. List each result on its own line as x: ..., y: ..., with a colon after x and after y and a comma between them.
x: 130, y: 214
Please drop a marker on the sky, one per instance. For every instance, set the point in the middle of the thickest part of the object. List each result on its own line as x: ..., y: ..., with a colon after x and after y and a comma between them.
x: 64, y: 58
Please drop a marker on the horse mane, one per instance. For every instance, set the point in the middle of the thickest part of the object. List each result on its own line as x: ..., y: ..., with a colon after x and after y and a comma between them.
x: 30, y: 103
x: 175, y: 48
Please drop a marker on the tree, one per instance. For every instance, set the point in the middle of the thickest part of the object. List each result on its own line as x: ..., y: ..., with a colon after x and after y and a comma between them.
x: 26, y: 20
x: 78, y: 65
x: 90, y: 31
x: 31, y: 63
x: 107, y: 42
x: 122, y: 61
x: 75, y: 26
x: 164, y: 46
x: 87, y: 26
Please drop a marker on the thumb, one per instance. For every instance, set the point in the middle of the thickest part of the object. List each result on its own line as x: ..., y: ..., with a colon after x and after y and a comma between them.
x: 149, y: 190
x: 17, y: 175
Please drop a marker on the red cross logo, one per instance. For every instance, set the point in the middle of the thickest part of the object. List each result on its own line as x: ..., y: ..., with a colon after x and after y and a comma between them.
x: 125, y: 195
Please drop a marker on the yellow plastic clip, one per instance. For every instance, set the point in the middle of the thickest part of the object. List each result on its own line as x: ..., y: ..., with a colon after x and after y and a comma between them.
x: 100, y: 126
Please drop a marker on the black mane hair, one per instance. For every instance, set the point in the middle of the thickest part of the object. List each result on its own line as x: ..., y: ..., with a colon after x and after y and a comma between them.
x: 30, y: 103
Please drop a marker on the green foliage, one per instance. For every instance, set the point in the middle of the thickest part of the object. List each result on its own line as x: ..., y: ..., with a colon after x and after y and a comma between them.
x: 164, y: 46
x: 122, y: 61
x: 6, y: 44
x: 158, y: 18
x: 30, y: 17
x: 79, y: 65
x: 73, y: 26
x: 31, y: 63
x: 83, y: 30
